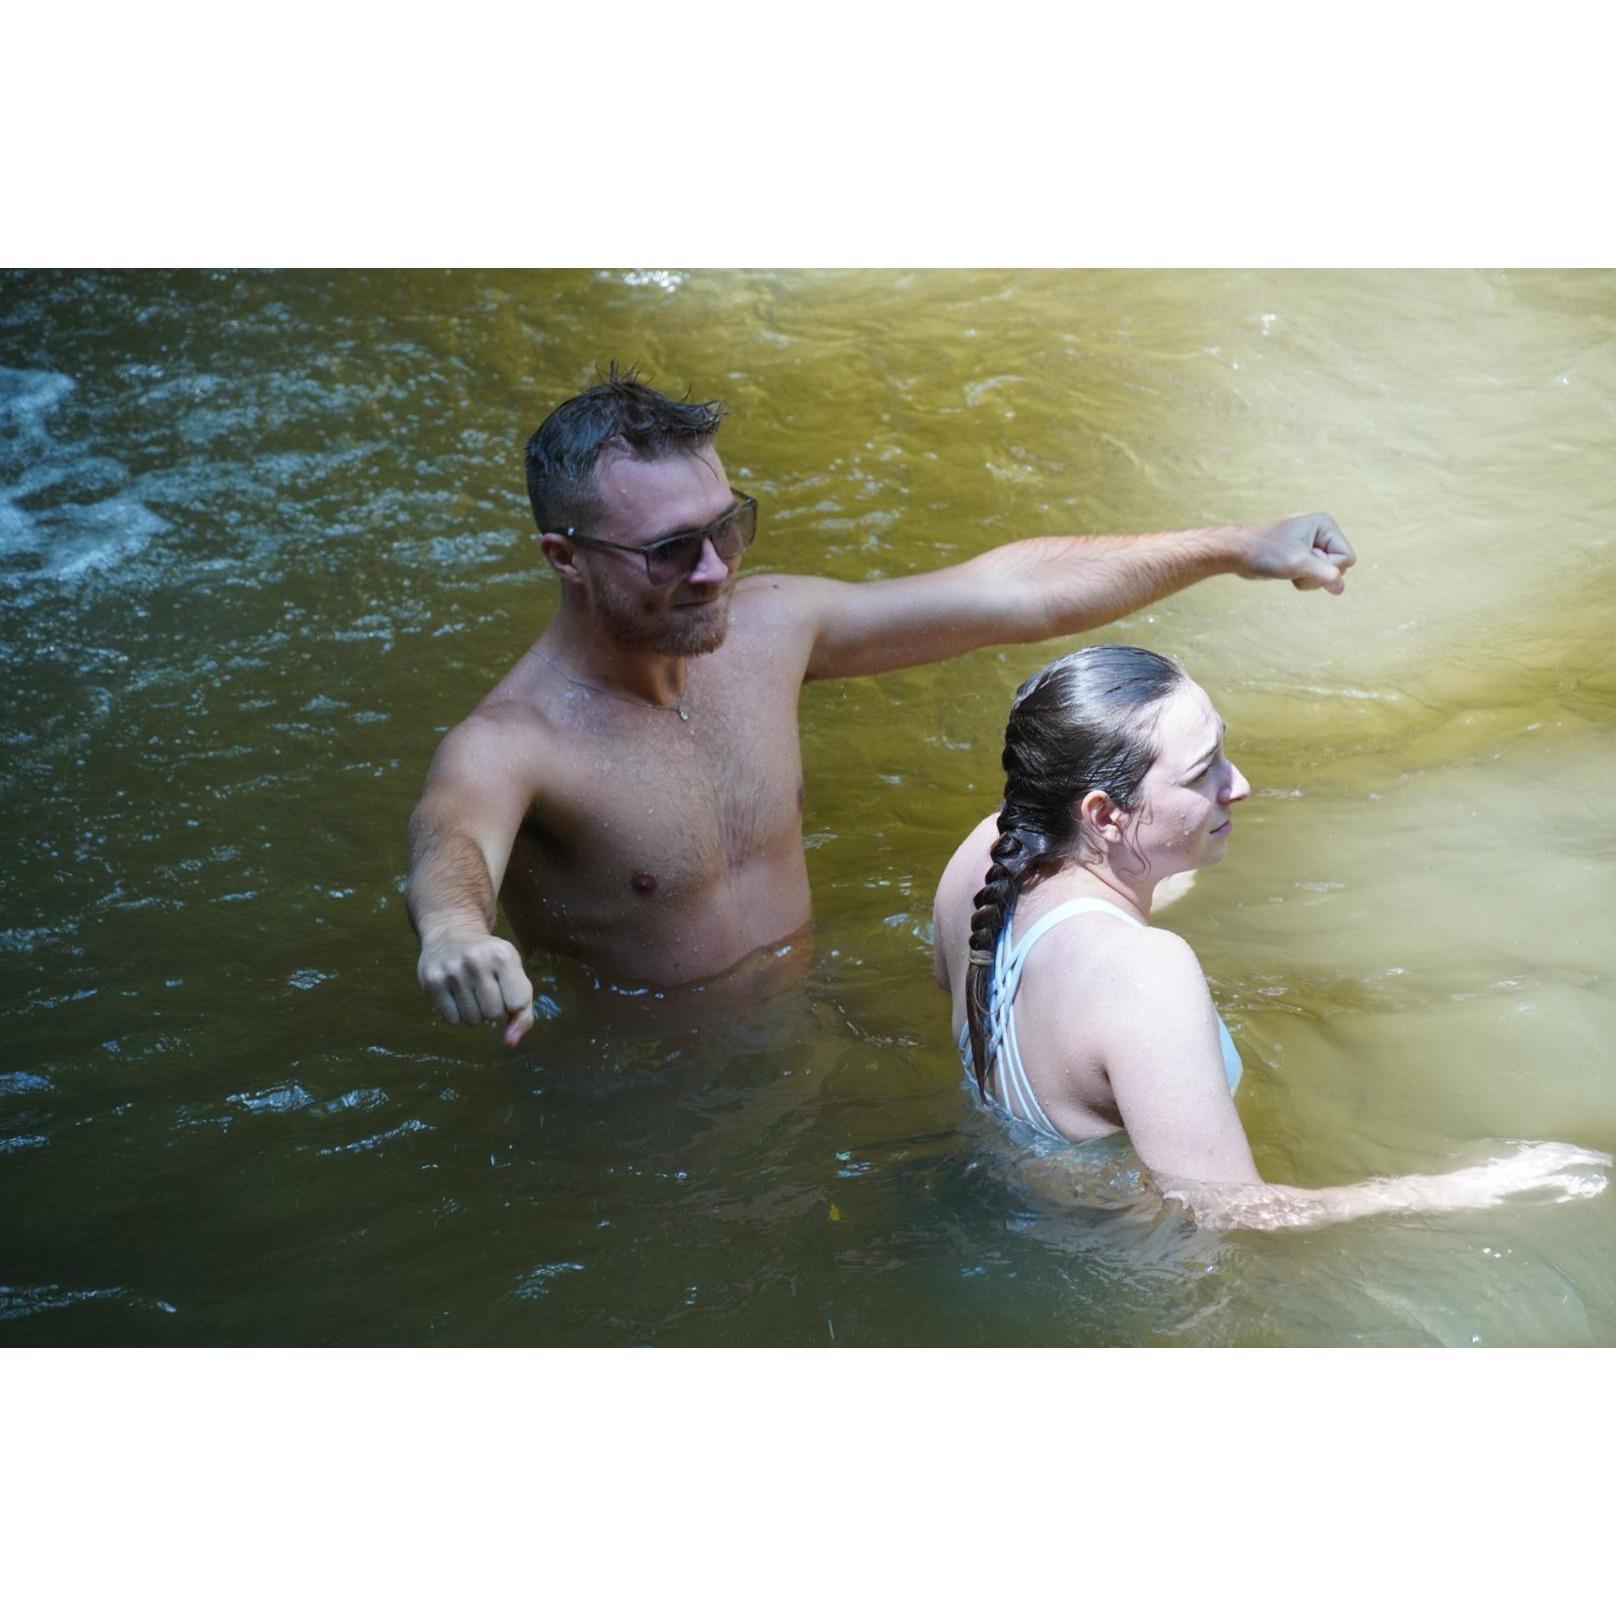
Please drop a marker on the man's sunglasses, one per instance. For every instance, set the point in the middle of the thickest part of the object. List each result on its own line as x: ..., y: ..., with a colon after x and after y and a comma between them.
x: 669, y: 560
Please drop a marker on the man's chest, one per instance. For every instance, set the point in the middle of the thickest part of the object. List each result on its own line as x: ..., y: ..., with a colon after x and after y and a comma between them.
x: 676, y: 805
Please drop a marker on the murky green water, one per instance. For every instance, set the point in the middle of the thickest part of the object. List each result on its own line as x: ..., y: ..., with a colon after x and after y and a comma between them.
x: 262, y: 537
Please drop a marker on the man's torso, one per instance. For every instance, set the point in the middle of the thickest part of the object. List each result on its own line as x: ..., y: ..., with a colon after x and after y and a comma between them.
x: 656, y: 849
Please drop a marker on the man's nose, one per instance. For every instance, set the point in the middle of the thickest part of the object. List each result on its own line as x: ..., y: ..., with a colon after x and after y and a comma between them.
x: 1239, y: 787
x: 712, y: 568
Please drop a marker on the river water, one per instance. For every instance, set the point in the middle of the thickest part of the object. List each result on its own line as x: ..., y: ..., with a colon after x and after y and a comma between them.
x: 263, y: 537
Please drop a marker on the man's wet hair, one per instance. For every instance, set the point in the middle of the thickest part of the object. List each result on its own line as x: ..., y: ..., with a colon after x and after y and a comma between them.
x: 619, y: 414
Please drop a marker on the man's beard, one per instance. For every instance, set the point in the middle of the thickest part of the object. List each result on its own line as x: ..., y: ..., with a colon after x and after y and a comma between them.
x: 669, y: 631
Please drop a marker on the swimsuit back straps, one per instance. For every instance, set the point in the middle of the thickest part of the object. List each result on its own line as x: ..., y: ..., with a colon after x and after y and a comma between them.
x: 1003, y: 1052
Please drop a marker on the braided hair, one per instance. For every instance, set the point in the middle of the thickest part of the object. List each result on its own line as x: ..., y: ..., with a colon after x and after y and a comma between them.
x: 1080, y: 724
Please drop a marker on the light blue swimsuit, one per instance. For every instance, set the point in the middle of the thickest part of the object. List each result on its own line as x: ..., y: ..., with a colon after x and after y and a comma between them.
x: 1011, y: 1091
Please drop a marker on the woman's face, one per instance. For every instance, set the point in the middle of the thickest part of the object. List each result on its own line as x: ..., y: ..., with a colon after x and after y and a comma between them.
x: 1182, y: 819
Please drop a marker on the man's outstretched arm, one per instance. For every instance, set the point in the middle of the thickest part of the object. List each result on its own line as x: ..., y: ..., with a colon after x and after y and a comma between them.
x: 1038, y: 588
x: 460, y: 841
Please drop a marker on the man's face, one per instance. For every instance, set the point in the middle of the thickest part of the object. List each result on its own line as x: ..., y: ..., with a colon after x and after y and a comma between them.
x: 646, y: 500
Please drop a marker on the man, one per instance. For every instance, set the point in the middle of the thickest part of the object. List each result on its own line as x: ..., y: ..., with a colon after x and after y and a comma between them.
x: 631, y: 791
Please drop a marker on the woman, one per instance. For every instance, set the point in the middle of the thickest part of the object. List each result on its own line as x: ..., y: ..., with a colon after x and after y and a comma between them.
x: 1076, y: 1016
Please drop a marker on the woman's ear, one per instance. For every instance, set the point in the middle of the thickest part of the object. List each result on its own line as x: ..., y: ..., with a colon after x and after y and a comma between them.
x: 1101, y: 818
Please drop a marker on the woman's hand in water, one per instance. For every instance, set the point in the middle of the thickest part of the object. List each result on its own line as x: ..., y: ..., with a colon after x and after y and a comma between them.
x: 1309, y: 550
x: 1558, y: 1172
x: 1546, y: 1169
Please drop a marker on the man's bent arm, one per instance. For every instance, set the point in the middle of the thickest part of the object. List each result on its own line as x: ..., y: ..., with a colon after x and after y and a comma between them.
x: 450, y: 886
x: 460, y: 841
x: 1037, y: 588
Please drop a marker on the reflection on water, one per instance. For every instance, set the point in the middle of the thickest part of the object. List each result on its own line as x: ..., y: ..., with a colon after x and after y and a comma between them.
x: 263, y: 537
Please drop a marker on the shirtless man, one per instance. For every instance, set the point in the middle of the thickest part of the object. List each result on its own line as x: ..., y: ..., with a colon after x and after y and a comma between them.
x: 631, y: 791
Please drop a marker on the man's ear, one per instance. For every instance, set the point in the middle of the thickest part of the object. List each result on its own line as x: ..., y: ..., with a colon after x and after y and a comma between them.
x: 1102, y: 818
x: 562, y: 557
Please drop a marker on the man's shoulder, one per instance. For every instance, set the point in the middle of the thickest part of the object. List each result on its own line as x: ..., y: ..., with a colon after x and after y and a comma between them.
x: 506, y: 733
x: 775, y: 616
x: 498, y: 732
x: 760, y: 594
x: 513, y: 706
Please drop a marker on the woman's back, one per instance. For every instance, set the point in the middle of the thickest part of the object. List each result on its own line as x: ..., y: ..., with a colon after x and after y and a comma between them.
x: 1064, y: 1002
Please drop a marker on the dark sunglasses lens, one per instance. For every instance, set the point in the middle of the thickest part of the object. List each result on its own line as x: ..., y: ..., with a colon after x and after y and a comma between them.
x: 674, y: 558
x: 736, y: 531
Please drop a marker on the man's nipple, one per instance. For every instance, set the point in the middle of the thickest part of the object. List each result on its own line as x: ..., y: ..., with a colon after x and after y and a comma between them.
x: 643, y: 883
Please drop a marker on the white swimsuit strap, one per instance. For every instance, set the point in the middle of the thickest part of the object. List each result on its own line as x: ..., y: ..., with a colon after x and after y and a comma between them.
x: 1003, y: 1046
x: 1065, y: 911
x: 1003, y: 1052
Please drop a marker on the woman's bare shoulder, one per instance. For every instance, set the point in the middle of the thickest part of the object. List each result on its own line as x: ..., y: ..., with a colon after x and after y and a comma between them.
x: 1127, y: 966
x: 965, y: 872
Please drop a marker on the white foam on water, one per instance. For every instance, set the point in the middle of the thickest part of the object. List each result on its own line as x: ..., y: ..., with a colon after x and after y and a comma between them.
x: 70, y: 540
x: 26, y: 398
x: 92, y: 538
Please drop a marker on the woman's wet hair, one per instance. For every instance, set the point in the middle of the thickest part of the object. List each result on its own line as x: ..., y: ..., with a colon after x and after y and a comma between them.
x: 620, y: 412
x: 1083, y: 723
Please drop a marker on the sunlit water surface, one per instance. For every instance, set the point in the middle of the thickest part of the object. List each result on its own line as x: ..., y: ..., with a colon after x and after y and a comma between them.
x: 263, y: 537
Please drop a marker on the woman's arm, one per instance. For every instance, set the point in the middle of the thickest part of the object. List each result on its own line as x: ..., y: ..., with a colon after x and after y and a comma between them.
x: 1562, y: 1172
x: 1161, y: 1047
x: 1158, y: 1038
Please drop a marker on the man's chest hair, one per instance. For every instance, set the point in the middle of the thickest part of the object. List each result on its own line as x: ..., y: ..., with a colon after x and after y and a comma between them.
x: 714, y: 793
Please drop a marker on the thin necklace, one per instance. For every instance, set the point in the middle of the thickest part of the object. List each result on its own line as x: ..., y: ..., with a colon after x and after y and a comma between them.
x: 617, y: 695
